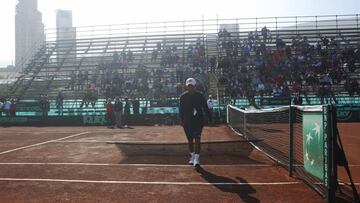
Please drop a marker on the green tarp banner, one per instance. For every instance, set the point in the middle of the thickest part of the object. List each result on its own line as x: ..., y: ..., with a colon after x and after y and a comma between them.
x: 313, y: 144
x: 28, y: 106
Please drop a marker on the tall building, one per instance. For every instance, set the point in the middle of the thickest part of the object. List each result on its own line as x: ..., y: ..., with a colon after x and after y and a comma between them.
x: 65, y: 35
x: 29, y: 31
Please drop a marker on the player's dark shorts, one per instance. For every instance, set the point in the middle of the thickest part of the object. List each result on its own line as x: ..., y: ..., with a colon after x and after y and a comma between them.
x: 193, y: 131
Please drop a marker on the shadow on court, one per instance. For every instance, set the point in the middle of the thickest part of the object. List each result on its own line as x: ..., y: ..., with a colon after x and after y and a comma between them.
x: 243, y: 191
x: 212, y: 152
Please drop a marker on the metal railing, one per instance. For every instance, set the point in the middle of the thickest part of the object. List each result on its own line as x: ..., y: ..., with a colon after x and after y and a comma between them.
x: 210, y: 26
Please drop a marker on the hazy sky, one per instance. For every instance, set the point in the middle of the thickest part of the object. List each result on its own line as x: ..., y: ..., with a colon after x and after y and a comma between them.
x: 100, y: 12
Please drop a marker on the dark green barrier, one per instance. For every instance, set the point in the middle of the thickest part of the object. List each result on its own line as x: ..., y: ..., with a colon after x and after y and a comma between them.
x: 28, y: 106
x: 275, y: 101
x: 348, y: 113
x: 96, y: 120
x: 164, y: 103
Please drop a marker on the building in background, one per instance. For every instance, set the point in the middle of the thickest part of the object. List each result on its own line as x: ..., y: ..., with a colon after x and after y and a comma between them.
x: 29, y: 31
x: 65, y: 35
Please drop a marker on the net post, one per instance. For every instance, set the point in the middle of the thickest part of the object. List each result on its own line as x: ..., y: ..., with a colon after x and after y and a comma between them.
x: 332, y: 170
x: 329, y: 182
x: 291, y: 140
x: 227, y: 114
x: 244, y: 125
x: 326, y: 118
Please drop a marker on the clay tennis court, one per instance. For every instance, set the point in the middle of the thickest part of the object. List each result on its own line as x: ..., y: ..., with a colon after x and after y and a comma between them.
x: 147, y: 164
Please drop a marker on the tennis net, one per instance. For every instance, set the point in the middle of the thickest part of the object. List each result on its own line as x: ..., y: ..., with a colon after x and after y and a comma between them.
x: 297, y: 137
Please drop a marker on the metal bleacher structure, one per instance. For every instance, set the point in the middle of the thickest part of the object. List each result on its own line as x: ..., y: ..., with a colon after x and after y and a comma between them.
x: 50, y: 69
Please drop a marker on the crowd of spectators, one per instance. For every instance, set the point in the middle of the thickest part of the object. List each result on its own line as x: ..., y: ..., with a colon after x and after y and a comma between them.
x: 262, y: 63
x: 262, y: 66
x: 162, y: 78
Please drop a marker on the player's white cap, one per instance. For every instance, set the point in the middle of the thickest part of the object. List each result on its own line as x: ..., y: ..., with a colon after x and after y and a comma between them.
x: 190, y: 81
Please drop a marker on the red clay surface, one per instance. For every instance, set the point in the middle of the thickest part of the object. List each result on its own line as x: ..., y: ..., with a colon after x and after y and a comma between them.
x: 79, y: 164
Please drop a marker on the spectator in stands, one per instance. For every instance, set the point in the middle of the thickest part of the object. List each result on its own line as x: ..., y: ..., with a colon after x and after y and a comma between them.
x: 60, y: 102
x: 297, y: 99
x: 286, y: 91
x: 85, y: 78
x: 130, y: 56
x: 118, y: 110
x: 13, y: 108
x: 127, y: 113
x: 264, y: 33
x: 280, y: 44
x: 154, y: 55
x: 109, y: 114
x: 190, y: 54
x: 79, y: 80
x: 116, y: 57
x: 72, y: 80
x: 179, y: 73
x: 108, y: 91
x: 277, y: 91
x: 355, y: 86
x: 352, y: 87
x: 325, y: 92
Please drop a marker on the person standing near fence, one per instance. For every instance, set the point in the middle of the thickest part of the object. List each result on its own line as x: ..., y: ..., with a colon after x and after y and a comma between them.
x: 44, y: 105
x: 109, y: 114
x: 1, y: 106
x: 59, y: 103
x: 118, y: 109
x: 210, y: 104
x: 192, y: 107
x: 6, y: 107
x: 13, y: 108
x: 127, y: 113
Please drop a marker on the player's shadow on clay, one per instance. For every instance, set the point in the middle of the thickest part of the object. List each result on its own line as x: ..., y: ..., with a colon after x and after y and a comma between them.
x: 239, y: 186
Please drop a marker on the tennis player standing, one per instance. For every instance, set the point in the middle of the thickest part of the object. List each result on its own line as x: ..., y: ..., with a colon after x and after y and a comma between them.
x: 192, y: 108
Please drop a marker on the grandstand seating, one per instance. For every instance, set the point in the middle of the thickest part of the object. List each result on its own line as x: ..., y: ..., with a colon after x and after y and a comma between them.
x: 53, y: 65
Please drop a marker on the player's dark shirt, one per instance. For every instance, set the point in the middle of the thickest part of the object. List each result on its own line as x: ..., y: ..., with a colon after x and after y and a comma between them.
x: 192, y: 108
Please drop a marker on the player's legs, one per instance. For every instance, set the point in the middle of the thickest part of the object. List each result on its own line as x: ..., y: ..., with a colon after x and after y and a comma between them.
x: 197, y: 136
x: 191, y: 144
x: 197, y: 145
x: 190, y: 140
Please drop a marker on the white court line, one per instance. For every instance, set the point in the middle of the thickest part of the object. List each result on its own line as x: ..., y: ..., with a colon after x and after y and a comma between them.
x: 42, y: 143
x: 148, y: 165
x: 341, y: 183
x: 351, y: 165
x: 144, y: 182
x: 139, y: 165
x: 85, y: 141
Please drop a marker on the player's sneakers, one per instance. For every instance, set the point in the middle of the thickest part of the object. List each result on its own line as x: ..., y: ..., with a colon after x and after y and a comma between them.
x: 191, y: 161
x: 196, y: 162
